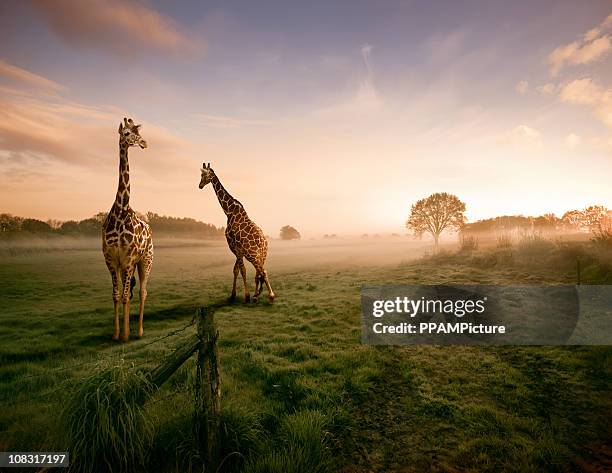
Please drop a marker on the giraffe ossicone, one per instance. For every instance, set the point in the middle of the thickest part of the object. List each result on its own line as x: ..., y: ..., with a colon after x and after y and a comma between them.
x: 127, y: 242
x: 244, y: 237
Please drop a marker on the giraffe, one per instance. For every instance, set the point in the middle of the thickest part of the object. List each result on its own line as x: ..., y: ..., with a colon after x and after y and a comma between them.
x: 244, y: 237
x: 126, y: 239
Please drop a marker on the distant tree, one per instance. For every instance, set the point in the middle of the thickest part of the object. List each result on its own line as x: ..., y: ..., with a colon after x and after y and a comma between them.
x: 9, y: 223
x: 289, y: 233
x: 593, y: 216
x: 100, y: 217
x: 35, y: 226
x: 69, y: 227
x: 90, y: 226
x: 436, y: 213
x: 590, y: 218
x: 547, y: 222
x: 572, y: 219
x: 54, y: 224
x: 182, y: 226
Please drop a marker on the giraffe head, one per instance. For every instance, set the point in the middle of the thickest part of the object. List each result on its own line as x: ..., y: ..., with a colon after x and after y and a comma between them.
x: 129, y: 133
x: 207, y: 175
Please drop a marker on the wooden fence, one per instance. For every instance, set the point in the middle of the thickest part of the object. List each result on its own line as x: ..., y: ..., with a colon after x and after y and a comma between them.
x: 208, y: 381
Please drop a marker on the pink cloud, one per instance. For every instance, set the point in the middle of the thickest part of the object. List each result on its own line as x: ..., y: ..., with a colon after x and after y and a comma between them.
x: 121, y: 27
x: 592, y: 46
x: 27, y: 78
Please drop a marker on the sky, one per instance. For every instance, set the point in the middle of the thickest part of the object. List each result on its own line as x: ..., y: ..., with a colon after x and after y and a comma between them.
x: 333, y: 117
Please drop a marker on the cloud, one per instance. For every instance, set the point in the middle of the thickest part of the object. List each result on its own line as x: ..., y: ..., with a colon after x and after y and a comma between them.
x: 37, y: 129
x: 521, y: 87
x: 366, y: 49
x: 572, y: 140
x: 587, y: 93
x: 546, y: 89
x: 593, y: 45
x: 27, y: 78
x: 581, y: 91
x: 526, y: 132
x: 522, y: 137
x: 120, y: 27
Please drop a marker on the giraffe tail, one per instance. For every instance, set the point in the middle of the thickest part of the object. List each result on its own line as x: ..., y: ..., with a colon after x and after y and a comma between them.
x: 132, y: 285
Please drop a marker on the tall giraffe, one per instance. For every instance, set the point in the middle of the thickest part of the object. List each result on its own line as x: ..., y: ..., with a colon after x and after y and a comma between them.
x: 126, y: 239
x: 244, y: 237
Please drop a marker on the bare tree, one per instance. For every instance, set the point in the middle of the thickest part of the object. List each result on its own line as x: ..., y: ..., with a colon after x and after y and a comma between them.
x: 436, y: 213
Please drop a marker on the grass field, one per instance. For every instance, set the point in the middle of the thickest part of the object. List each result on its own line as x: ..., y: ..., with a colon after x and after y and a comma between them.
x: 299, y: 392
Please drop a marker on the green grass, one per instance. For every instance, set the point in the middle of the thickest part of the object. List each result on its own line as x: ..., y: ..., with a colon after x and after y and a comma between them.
x: 106, y: 422
x: 299, y: 391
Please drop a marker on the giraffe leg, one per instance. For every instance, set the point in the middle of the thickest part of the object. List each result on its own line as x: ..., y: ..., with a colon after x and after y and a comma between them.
x: 127, y: 284
x: 116, y: 299
x: 247, y: 295
x: 236, y: 271
x: 271, y: 294
x: 144, y: 268
x: 258, y: 284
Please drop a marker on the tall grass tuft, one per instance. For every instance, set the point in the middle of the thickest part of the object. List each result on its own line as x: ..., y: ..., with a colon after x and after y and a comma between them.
x: 533, y: 246
x: 468, y: 243
x: 240, y: 436
x: 105, y: 424
x: 504, y: 242
x: 304, y: 447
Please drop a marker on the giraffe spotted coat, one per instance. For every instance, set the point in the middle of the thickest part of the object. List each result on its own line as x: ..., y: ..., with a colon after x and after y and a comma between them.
x: 244, y: 238
x: 127, y: 242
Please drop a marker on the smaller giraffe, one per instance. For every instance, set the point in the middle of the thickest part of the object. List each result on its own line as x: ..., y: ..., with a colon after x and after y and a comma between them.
x: 127, y: 243
x: 244, y: 237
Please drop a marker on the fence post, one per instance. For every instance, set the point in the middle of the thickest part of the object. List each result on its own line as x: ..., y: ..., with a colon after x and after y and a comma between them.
x: 159, y: 375
x: 209, y: 402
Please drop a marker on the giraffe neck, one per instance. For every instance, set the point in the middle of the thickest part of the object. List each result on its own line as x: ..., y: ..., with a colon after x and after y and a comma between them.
x: 122, y: 201
x: 229, y: 205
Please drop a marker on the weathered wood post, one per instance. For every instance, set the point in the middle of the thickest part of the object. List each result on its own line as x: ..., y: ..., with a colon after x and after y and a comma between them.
x: 209, y: 401
x: 159, y: 375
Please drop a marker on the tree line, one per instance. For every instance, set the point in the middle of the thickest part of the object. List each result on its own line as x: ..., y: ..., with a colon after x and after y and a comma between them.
x: 443, y: 212
x: 14, y: 226
x: 594, y: 219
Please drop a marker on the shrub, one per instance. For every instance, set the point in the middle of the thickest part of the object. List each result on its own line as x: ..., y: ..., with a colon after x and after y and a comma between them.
x: 105, y: 423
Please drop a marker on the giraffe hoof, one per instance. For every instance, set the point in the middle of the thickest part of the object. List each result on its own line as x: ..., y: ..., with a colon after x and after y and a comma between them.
x: 232, y: 298
x: 140, y: 332
x: 125, y: 338
x: 271, y: 299
x: 116, y: 337
x: 247, y: 298
x: 255, y: 298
